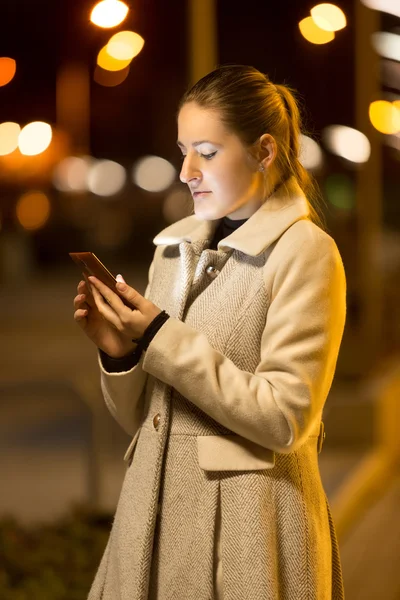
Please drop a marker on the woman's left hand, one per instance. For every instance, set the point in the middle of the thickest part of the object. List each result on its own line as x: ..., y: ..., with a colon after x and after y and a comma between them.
x: 131, y: 323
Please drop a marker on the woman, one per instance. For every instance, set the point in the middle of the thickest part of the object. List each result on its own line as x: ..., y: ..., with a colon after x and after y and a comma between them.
x: 237, y: 341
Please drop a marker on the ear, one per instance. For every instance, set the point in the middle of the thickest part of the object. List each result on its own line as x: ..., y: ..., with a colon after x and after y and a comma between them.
x: 267, y: 150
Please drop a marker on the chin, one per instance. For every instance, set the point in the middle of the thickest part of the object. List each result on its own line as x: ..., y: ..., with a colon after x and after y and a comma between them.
x: 205, y: 215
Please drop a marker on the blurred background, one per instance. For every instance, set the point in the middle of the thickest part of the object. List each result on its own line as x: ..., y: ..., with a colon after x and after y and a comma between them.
x: 89, y: 161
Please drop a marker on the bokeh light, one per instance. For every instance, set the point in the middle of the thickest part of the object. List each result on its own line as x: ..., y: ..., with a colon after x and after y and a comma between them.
x: 347, y: 142
x: 107, y: 62
x: 35, y: 138
x: 110, y: 78
x: 314, y: 34
x: 340, y: 191
x: 106, y: 178
x: 328, y: 17
x: 384, y: 116
x: 33, y: 210
x: 391, y: 7
x: 109, y: 13
x: 153, y: 174
x: 8, y: 67
x: 71, y: 174
x: 386, y: 44
x: 9, y: 133
x: 311, y: 156
x: 125, y: 45
x: 177, y: 204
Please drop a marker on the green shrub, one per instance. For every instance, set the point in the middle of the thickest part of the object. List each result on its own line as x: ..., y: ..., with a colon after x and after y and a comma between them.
x: 57, y: 561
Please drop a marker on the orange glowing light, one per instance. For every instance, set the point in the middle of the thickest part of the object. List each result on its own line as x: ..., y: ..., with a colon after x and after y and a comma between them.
x: 33, y: 210
x: 384, y: 116
x: 8, y: 67
x: 107, y: 62
x: 314, y: 34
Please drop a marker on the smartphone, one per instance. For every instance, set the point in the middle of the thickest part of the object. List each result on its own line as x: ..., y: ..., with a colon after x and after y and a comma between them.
x: 91, y: 265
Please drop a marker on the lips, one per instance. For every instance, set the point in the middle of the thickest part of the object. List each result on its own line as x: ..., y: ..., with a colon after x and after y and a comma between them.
x: 200, y: 193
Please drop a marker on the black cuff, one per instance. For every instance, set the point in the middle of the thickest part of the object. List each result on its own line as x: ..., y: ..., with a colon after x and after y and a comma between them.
x: 151, y: 330
x: 118, y: 365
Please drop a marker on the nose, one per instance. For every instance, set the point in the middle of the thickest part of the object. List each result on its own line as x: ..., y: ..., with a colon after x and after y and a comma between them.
x: 189, y: 170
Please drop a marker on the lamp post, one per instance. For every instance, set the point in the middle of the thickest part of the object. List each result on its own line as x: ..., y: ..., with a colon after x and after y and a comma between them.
x: 202, y: 43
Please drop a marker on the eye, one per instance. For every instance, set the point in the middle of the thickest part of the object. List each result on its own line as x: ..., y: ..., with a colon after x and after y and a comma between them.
x: 208, y: 156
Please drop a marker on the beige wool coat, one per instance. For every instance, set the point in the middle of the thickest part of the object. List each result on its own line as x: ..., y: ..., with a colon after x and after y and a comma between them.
x: 222, y: 496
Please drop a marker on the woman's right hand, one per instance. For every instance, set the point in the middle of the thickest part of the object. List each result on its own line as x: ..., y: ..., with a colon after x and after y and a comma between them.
x: 99, y: 331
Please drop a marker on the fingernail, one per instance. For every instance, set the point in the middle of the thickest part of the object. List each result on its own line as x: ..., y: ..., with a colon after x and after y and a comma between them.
x: 120, y: 278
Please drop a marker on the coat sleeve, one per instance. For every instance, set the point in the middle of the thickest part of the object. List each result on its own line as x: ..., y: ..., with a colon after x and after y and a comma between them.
x: 279, y: 404
x: 124, y: 391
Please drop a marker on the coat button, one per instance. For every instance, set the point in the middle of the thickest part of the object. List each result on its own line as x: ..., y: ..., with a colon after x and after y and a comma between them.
x: 212, y: 272
x: 156, y: 420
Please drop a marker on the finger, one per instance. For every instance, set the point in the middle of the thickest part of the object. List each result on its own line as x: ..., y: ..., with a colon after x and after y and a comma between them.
x: 111, y: 298
x: 80, y: 317
x: 130, y: 294
x: 83, y: 288
x: 80, y: 302
x: 105, y: 309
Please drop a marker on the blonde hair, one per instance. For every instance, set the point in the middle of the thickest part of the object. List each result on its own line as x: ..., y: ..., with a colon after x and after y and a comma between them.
x: 250, y: 105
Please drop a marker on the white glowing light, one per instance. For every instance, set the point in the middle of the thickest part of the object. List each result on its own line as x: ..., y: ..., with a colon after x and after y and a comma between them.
x: 311, y: 156
x: 109, y: 13
x: 35, y: 138
x: 9, y: 133
x: 347, y: 142
x: 153, y: 174
x: 391, y: 7
x: 71, y: 174
x: 106, y: 178
x: 387, y: 44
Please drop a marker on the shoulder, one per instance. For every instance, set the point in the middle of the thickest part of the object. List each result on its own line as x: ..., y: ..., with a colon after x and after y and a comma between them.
x: 305, y: 250
x: 307, y: 235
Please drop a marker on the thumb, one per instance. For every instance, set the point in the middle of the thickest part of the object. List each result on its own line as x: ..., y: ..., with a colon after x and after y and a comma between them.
x: 129, y: 293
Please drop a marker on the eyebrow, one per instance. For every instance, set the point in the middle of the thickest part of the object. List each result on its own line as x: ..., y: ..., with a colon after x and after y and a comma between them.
x: 195, y: 144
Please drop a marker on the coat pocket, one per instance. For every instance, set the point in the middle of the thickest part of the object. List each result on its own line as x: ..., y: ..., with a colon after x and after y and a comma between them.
x: 232, y: 453
x: 129, y: 453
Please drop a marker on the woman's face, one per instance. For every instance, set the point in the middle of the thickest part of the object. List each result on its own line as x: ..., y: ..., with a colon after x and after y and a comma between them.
x: 223, y: 178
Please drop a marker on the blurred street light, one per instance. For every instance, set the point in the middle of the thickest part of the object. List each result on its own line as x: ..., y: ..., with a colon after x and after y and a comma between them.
x: 125, y: 45
x: 106, y: 178
x: 109, y: 13
x: 328, y: 17
x: 311, y: 156
x: 391, y: 7
x: 108, y: 63
x: 71, y: 174
x: 153, y: 174
x: 8, y: 67
x: 347, y: 142
x: 387, y: 44
x: 385, y: 116
x: 35, y: 138
x: 33, y: 210
x: 314, y: 34
x: 9, y: 133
